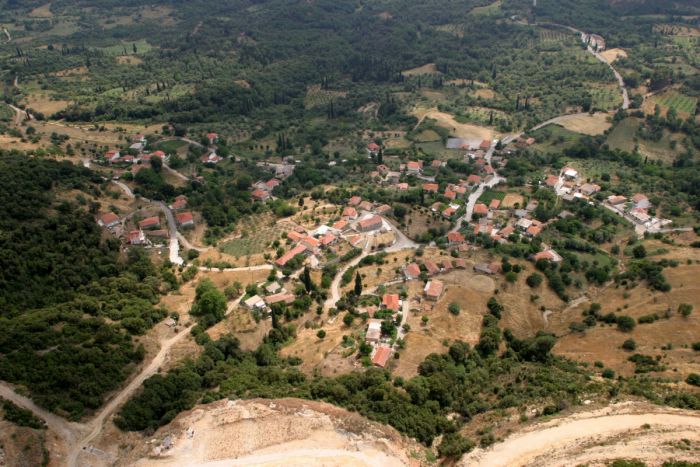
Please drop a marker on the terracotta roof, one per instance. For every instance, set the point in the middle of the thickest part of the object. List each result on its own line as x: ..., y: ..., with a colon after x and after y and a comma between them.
x: 535, y: 230
x: 349, y: 212
x: 373, y: 222
x: 460, y: 263
x: 552, y: 180
x: 354, y: 201
x: 383, y: 209
x: 179, y: 204
x: 391, y: 301
x: 366, y: 206
x: 402, y: 186
x: 450, y: 194
x: 185, y: 218
x: 412, y: 270
x: 495, y: 203
x: 434, y: 288
x: 485, y: 145
x: 295, y: 236
x: 431, y: 187
x: 273, y: 182
x: 341, y: 224
x: 431, y: 267
x: 328, y: 239
x: 507, y: 231
x: 381, y: 356
x: 109, y: 218
x: 280, y: 297
x: 288, y: 256
x: 373, y: 147
x: 449, y: 212
x: 149, y: 222
x: 481, y: 208
x: 474, y: 179
x: 455, y: 237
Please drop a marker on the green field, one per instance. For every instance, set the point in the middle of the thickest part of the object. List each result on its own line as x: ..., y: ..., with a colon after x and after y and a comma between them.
x: 622, y: 136
x: 681, y: 103
x: 606, y: 98
x: 490, y: 195
x: 6, y: 113
x: 490, y: 9
x: 554, y: 137
x: 257, y: 234
x: 142, y: 47
x: 549, y: 35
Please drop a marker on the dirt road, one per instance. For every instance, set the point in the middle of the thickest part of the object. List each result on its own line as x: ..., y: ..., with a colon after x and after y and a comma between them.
x: 535, y: 446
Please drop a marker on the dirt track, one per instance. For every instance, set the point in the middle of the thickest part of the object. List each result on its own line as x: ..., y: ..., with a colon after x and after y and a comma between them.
x: 578, y: 439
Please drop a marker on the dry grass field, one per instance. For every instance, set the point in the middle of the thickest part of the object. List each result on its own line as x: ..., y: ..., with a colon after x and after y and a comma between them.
x: 460, y: 130
x: 585, y: 123
x: 427, y: 69
x: 611, y: 55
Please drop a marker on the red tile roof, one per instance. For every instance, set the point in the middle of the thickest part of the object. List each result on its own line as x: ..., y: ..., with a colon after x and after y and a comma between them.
x: 485, y: 145
x: 370, y: 223
x: 288, y: 256
x: 149, y: 222
x: 434, y: 289
x: 391, y: 301
x: 109, y: 218
x: 412, y: 270
x: 349, y: 212
x: 431, y: 267
x: 434, y: 187
x: 381, y: 356
x: 455, y: 237
x: 495, y: 203
x: 474, y: 179
x: 551, y: 180
x: 260, y: 195
x: 374, y: 147
x: 481, y: 209
x: 354, y: 201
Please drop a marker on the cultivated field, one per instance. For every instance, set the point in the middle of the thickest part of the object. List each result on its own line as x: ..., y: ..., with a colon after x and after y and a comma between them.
x: 256, y: 235
x: 585, y: 123
x: 671, y: 99
x: 460, y: 130
x: 611, y: 55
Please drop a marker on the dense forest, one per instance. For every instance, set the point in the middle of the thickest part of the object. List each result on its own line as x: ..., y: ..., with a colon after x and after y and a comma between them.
x: 70, y: 301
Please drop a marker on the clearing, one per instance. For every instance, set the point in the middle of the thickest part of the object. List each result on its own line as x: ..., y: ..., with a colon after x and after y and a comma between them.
x: 611, y: 55
x: 460, y: 130
x: 623, y: 431
x: 275, y: 432
x: 671, y: 99
x: 584, y: 123
x: 427, y: 69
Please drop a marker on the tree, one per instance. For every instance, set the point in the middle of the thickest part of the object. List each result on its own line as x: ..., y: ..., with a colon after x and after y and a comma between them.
x: 534, y: 280
x: 321, y: 334
x: 629, y: 345
x: 358, y: 284
x: 454, y: 445
x: 454, y: 308
x: 639, y: 252
x: 511, y: 277
x: 685, y: 309
x: 626, y: 323
x: 693, y: 379
x: 156, y: 164
x: 306, y: 279
x: 209, y: 303
x: 348, y: 319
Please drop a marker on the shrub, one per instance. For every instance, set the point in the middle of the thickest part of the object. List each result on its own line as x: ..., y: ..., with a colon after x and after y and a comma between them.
x: 20, y: 416
x: 625, y: 323
x: 685, y: 309
x: 608, y: 373
x: 696, y: 346
x: 693, y: 379
x: 454, y: 308
x: 639, y: 252
x: 629, y: 344
x: 454, y: 445
x: 321, y: 334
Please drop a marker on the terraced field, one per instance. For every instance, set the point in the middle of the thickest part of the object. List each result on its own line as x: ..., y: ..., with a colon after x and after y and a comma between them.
x: 257, y: 233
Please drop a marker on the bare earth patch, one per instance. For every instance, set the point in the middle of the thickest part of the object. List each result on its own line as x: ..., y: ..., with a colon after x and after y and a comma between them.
x: 460, y: 130
x: 427, y: 69
x: 128, y: 60
x: 611, y: 55
x: 585, y: 123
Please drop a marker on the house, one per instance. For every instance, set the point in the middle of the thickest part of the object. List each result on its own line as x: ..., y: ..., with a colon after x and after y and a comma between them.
x: 138, y: 147
x: 354, y: 201
x: 495, y: 203
x: 547, y: 255
x: 449, y: 194
x: 179, y: 203
x: 383, y: 210
x: 436, y: 164
x: 569, y: 173
x: 211, y: 158
x: 524, y: 223
x: 412, y: 271
x: 185, y: 219
x: 127, y: 159
x: 433, y: 290
x: 254, y: 302
x: 414, y: 167
x: 350, y: 213
x: 551, y: 181
x: 485, y: 145
x: 213, y: 138
x: 640, y: 215
x: 366, y: 206
x: 112, y: 156
x: 393, y: 177
x: 354, y: 240
x: 487, y: 268
x: 402, y: 186
x: 150, y: 223
x: 446, y: 264
x: 342, y: 225
x: 381, y: 356
x: 373, y: 149
x: 506, y: 231
x: 488, y: 168
x: 431, y: 267
x: 374, y: 331
x: 139, y: 138
x: 431, y: 187
x: 371, y: 223
x: 590, y: 189
x: 311, y: 243
x: 272, y: 184
x: 287, y: 298
x: 136, y: 237
x: 391, y: 301
x: 641, y: 201
x: 616, y: 200
x: 455, y: 238
x: 534, y: 231
x: 295, y: 237
x: 449, y: 212
x: 383, y: 169
x: 158, y: 233
x: 460, y: 263
x: 291, y: 254
x: 260, y: 195
x: 273, y: 288
x: 328, y: 240
x: 473, y: 179
x: 108, y: 220
x: 481, y: 209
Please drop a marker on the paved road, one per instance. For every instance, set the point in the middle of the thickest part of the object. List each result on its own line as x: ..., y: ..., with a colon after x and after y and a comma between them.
x: 473, y: 198
x: 125, y: 188
x: 175, y: 257
x: 176, y: 173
